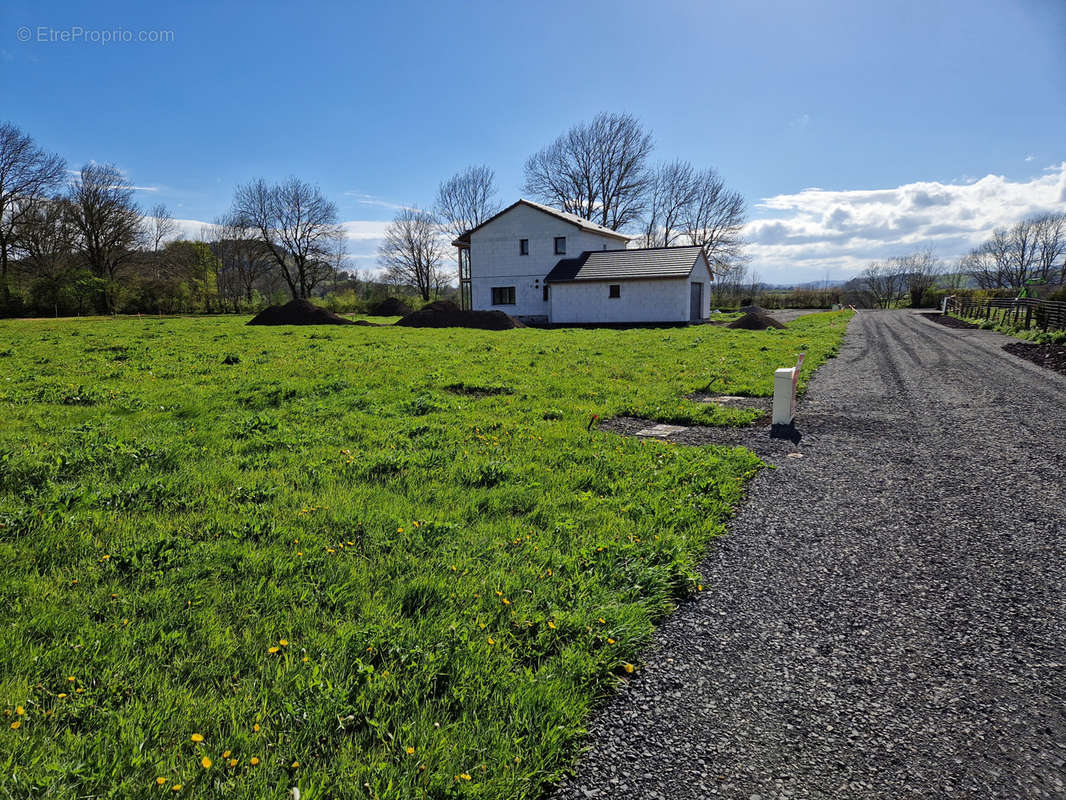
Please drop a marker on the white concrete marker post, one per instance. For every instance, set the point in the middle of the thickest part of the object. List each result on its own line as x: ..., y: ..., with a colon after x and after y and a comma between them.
x: 785, y: 381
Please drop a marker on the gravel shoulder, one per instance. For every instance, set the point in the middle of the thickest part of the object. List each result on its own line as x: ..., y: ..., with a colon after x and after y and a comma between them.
x: 886, y: 617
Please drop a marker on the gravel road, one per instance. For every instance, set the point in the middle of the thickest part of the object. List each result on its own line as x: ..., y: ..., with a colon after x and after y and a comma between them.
x: 886, y: 617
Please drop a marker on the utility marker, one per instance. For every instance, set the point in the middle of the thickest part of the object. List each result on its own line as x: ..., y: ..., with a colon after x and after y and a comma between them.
x: 784, y: 409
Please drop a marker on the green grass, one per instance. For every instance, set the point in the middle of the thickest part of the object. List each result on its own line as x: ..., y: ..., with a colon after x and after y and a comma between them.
x: 454, y: 562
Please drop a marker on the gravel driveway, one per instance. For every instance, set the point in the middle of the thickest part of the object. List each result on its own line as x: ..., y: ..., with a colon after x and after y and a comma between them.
x: 887, y: 616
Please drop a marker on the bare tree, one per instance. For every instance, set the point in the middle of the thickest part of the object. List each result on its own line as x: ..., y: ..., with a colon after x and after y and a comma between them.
x: 297, y: 225
x: 27, y: 174
x: 46, y: 238
x: 1050, y: 247
x: 883, y: 282
x: 466, y: 199
x: 107, y: 221
x: 596, y: 170
x: 920, y: 271
x: 716, y: 221
x: 413, y: 251
x: 244, y: 259
x: 1026, y: 251
x: 672, y: 199
x: 161, y: 226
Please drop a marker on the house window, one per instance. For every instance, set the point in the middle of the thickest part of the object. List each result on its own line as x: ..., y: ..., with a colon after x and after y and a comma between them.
x: 614, y: 290
x: 523, y: 247
x: 560, y: 245
x: 545, y: 293
x: 503, y: 295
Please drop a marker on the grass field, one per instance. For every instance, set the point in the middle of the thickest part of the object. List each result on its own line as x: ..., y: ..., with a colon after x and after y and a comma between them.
x: 367, y: 562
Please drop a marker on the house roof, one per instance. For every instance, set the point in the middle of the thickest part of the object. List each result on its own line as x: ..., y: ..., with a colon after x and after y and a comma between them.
x: 573, y: 219
x: 620, y: 265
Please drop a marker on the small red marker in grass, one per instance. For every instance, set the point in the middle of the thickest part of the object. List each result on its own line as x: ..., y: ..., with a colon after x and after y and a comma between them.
x: 592, y: 421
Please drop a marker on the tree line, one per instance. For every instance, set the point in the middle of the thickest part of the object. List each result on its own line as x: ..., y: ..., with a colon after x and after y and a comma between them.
x: 1025, y: 256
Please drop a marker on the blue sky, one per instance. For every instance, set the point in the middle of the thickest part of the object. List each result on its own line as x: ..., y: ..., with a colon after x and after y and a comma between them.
x: 960, y: 102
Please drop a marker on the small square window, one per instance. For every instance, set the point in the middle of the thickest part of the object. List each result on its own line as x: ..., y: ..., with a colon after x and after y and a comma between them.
x: 523, y: 247
x: 560, y: 245
x: 503, y: 295
x: 614, y: 290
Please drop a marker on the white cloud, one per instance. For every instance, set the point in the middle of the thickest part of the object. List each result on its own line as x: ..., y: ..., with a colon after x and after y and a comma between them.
x: 1030, y: 157
x: 371, y: 200
x: 799, y: 237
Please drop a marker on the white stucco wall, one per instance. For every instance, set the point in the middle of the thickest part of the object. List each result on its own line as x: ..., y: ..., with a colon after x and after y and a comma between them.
x: 658, y: 300
x: 587, y: 302
x: 495, y: 258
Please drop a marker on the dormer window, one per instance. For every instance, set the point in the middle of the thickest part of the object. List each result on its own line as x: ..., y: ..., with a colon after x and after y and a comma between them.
x: 523, y: 247
x: 560, y: 245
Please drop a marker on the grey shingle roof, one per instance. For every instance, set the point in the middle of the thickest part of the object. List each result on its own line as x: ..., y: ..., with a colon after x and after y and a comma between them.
x: 604, y: 265
x: 581, y: 222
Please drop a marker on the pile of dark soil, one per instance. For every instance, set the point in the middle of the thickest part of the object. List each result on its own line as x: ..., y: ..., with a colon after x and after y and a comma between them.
x: 297, y: 312
x: 451, y: 317
x: 950, y: 322
x: 755, y: 322
x: 440, y: 305
x: 1049, y: 356
x: 390, y: 307
x: 752, y: 310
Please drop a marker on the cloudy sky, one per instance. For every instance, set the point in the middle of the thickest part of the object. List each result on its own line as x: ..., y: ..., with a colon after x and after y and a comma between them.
x: 920, y: 122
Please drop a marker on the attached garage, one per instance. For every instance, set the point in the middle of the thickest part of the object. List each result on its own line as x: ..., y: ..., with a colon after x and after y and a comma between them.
x: 633, y: 286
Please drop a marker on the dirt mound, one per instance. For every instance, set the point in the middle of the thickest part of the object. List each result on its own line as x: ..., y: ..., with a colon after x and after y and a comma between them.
x: 1049, y: 356
x: 390, y: 307
x: 752, y: 310
x: 485, y: 320
x: 440, y: 305
x: 755, y: 322
x: 297, y: 312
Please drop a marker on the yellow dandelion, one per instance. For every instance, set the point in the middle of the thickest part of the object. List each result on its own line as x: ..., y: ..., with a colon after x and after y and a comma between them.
x: 256, y: 727
x: 205, y: 762
x: 551, y: 624
x: 399, y: 530
x: 20, y: 710
x: 506, y: 602
x: 254, y: 761
x: 71, y: 679
x: 80, y: 689
x: 491, y: 640
x: 627, y: 667
x: 226, y: 754
x: 465, y: 776
x: 61, y: 695
x: 197, y: 737
x: 410, y: 750
x: 233, y: 762
x: 603, y: 621
x: 295, y: 764
x: 610, y: 640
x: 16, y: 725
x: 176, y: 787
x: 273, y: 649
x: 160, y: 781
x: 284, y: 642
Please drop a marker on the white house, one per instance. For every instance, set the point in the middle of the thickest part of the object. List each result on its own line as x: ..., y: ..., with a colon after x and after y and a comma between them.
x: 543, y: 265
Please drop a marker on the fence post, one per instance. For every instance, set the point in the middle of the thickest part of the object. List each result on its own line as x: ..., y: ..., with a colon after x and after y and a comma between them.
x: 1028, y: 316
